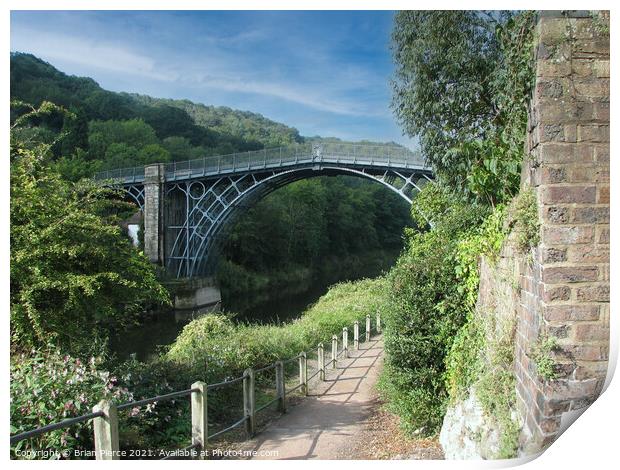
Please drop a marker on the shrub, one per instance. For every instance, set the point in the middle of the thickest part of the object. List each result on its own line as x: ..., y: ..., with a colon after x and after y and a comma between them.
x: 425, y: 310
x: 46, y: 387
x: 525, y: 220
x: 542, y: 354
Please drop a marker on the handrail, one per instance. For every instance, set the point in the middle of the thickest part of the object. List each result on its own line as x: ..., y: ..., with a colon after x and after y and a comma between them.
x: 146, y: 401
x: 266, y: 405
x: 225, y: 383
x: 262, y: 369
x: 375, y: 155
x: 201, y: 388
x: 229, y: 428
x: 54, y: 426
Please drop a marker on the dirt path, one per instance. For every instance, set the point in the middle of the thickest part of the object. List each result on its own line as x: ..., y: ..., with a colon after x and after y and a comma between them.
x: 324, y: 424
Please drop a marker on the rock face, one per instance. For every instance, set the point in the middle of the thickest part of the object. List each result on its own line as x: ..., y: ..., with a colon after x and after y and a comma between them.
x: 466, y: 434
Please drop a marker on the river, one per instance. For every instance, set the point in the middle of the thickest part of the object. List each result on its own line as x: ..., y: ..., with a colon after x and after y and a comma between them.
x: 162, y: 329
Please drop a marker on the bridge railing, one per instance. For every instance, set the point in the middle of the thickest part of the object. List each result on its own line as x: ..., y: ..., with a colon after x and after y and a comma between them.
x: 126, y: 175
x: 241, y: 161
x: 388, y: 155
x: 105, y: 414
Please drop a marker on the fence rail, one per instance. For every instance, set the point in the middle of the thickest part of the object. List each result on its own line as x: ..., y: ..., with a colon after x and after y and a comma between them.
x: 393, y: 156
x: 105, y: 413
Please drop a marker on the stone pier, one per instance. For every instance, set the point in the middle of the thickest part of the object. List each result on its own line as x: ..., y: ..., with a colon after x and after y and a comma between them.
x: 153, y: 213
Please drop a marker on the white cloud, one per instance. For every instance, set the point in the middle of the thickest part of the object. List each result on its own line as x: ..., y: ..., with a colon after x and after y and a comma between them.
x: 321, y: 86
x: 88, y: 53
x: 301, y: 96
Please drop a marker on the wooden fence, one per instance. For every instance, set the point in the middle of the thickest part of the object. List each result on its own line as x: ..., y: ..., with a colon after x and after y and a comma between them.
x: 105, y: 413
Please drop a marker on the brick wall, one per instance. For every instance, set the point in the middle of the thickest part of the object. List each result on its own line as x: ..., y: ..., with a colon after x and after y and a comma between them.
x: 565, y: 284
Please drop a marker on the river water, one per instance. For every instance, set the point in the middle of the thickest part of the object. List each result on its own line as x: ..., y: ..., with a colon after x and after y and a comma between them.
x: 162, y: 329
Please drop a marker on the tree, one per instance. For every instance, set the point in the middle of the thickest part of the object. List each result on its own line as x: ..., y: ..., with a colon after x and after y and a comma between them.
x: 457, y: 76
x: 73, y: 273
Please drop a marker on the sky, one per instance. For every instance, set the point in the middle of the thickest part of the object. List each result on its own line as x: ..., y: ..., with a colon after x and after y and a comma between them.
x: 324, y: 72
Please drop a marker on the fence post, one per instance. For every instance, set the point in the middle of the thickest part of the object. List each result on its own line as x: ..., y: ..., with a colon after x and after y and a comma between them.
x: 106, y: 431
x: 334, y: 350
x: 303, y: 373
x: 199, y: 419
x: 280, y: 386
x: 321, y: 359
x: 345, y: 341
x: 367, y: 328
x: 356, y: 335
x: 378, y: 322
x: 249, y: 402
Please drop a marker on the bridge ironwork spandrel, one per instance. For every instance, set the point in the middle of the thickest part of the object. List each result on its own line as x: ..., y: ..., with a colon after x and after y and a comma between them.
x: 196, y: 200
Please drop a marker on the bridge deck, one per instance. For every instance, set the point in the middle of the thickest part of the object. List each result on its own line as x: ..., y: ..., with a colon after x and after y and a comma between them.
x: 347, y: 155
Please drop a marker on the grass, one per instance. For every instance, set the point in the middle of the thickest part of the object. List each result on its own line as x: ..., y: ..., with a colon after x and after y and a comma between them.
x: 222, y: 348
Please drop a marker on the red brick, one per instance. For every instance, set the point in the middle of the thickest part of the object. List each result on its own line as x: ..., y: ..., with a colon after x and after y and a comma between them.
x: 564, y: 274
x: 565, y: 389
x: 588, y: 254
x: 587, y: 174
x: 596, y: 48
x: 574, y: 234
x: 590, y: 370
x: 600, y: 112
x: 551, y: 175
x: 590, y: 215
x: 569, y: 194
x: 603, y: 195
x: 591, y: 332
x: 599, y: 293
x: 555, y: 214
x: 554, y: 294
x: 591, y: 88
x: 566, y: 152
x: 603, y: 235
x: 587, y: 352
x: 554, y: 255
x: 593, y: 133
x: 553, y: 68
x: 571, y: 312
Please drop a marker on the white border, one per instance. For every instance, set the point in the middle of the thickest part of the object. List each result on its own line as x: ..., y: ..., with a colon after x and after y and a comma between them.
x: 592, y: 442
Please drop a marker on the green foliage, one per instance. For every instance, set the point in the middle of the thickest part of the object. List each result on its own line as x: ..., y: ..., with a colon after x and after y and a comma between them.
x: 542, y: 355
x: 101, y: 118
x: 47, y: 386
x: 600, y: 20
x: 461, y: 85
x: 72, y: 271
x: 256, y: 130
x: 228, y: 347
x: 325, y: 229
x: 496, y: 384
x: 486, y: 240
x: 425, y: 310
x: 463, y: 362
x: 525, y: 220
x: 481, y: 360
x: 482, y: 355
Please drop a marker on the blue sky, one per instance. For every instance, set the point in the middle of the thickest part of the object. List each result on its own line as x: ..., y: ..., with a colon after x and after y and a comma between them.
x: 325, y: 73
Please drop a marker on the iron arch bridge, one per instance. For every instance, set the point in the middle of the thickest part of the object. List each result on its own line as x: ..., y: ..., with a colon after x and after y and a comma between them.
x: 188, y: 205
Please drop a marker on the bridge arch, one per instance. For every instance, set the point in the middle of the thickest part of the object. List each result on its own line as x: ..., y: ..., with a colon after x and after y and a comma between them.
x: 202, y: 243
x: 188, y: 205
